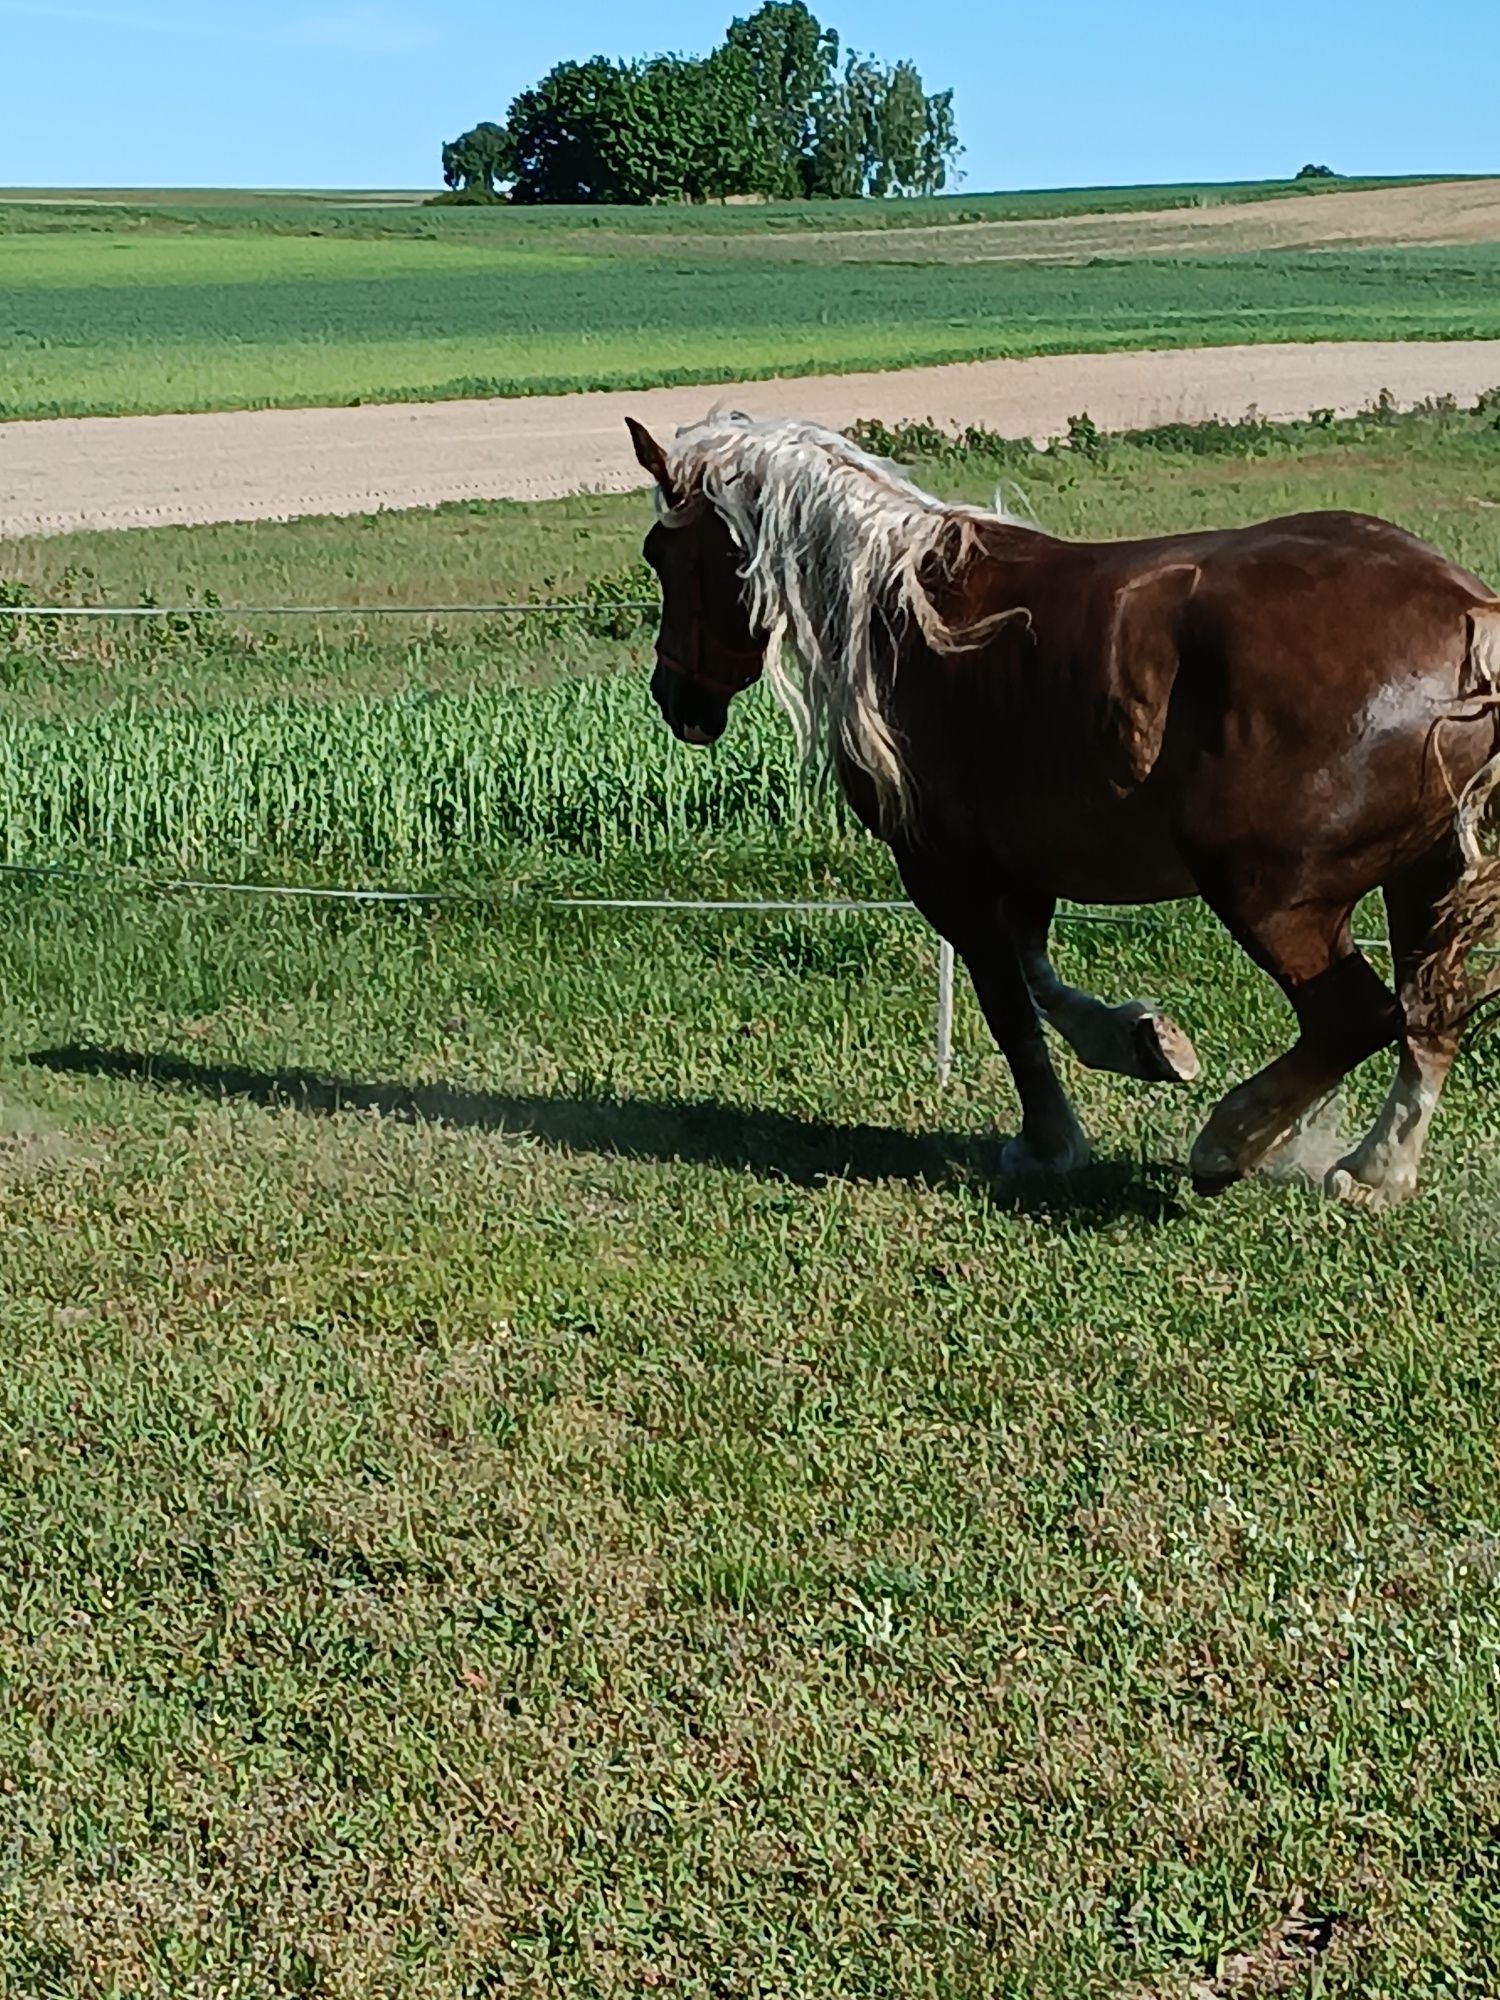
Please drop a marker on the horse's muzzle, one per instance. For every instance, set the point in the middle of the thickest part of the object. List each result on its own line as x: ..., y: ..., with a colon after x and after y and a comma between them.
x: 694, y: 713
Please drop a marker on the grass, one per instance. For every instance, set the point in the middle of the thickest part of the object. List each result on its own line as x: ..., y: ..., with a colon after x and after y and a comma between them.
x: 122, y: 313
x: 666, y: 1519
x: 535, y: 1457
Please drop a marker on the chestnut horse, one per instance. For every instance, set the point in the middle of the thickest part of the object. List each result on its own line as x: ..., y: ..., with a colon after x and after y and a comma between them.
x: 1277, y: 719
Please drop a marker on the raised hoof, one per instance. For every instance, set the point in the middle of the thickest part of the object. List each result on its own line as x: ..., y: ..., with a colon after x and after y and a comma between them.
x: 1344, y: 1184
x: 1018, y: 1159
x: 1166, y: 1054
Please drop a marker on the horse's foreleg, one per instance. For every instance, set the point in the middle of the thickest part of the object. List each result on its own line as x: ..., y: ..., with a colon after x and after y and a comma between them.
x: 1051, y: 1140
x: 1133, y: 1039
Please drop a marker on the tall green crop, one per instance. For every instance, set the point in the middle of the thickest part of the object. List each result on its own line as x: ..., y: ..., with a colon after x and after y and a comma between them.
x: 582, y: 768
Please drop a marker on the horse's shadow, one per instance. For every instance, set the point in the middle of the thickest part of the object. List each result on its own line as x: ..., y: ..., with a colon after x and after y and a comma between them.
x: 701, y: 1132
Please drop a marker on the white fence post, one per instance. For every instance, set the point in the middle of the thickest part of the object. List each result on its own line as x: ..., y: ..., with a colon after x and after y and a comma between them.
x: 945, y: 1013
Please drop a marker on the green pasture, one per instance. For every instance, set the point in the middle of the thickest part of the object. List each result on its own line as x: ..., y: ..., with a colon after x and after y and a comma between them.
x: 536, y: 1455
x: 130, y: 310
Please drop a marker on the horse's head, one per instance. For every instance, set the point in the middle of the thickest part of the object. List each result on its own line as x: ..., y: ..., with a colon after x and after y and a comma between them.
x: 707, y: 650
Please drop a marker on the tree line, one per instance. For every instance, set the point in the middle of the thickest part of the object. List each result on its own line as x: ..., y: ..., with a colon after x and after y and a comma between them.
x: 778, y: 110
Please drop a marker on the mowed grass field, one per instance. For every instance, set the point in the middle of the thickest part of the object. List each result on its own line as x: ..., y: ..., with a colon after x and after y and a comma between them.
x: 150, y: 308
x: 537, y: 1457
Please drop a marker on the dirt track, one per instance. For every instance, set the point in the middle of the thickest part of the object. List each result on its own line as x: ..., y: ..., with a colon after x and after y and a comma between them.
x: 1453, y: 212
x: 132, y: 472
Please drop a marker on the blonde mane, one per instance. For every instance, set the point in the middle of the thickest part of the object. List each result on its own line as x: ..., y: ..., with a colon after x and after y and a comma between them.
x: 835, y: 545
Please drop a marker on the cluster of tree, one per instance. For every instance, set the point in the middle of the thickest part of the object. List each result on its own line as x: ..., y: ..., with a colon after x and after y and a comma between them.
x: 777, y: 110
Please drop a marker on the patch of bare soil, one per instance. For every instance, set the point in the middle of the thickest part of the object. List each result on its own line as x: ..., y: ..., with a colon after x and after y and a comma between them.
x: 30, y: 1146
x: 1444, y: 212
x: 1282, y: 1960
x: 1299, y: 1945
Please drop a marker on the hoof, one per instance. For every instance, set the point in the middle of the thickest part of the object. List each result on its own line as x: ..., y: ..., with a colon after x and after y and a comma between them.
x: 1166, y: 1055
x: 1344, y: 1184
x: 1212, y: 1169
x: 1019, y: 1159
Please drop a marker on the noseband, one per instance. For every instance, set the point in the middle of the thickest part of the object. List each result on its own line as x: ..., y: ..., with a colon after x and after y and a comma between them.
x: 745, y: 665
x: 745, y: 675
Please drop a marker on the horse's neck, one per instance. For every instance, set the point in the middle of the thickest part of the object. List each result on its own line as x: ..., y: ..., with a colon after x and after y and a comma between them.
x: 993, y: 571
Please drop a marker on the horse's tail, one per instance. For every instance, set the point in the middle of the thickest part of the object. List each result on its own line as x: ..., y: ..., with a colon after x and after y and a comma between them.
x: 1469, y: 917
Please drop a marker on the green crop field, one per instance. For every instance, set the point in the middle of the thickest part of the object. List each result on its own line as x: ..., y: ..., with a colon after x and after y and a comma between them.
x: 377, y: 213
x: 535, y: 1455
x: 221, y: 306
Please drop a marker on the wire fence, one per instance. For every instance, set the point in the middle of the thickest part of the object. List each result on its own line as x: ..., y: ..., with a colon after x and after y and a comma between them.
x: 711, y: 906
x: 582, y: 608
x: 122, y: 882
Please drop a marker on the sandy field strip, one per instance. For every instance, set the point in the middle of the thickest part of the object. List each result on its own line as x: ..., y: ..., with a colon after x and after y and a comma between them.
x: 1445, y: 212
x: 130, y: 472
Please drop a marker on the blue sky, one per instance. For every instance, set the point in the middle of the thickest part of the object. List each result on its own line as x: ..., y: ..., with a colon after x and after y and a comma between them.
x: 361, y: 93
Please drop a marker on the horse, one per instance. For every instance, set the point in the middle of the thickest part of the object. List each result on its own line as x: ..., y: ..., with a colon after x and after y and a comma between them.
x: 1276, y: 719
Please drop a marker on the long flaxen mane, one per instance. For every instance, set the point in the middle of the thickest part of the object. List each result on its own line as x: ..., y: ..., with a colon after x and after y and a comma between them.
x: 836, y: 546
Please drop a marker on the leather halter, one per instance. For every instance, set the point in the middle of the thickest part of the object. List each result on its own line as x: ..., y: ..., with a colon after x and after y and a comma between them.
x: 744, y: 662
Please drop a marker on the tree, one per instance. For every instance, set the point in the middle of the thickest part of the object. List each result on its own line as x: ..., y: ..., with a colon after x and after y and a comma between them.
x: 475, y: 160
x: 733, y: 141
x: 792, y: 60
x: 668, y: 128
x: 940, y: 148
x: 901, y: 155
x: 566, y: 134
x: 687, y: 128
x: 877, y: 132
x: 837, y: 164
x: 768, y: 112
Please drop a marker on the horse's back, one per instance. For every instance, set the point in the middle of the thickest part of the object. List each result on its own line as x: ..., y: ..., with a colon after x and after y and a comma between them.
x: 1283, y: 677
x: 1316, y: 610
x: 1326, y: 547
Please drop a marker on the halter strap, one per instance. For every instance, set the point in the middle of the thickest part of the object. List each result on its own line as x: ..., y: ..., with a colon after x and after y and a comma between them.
x: 751, y: 659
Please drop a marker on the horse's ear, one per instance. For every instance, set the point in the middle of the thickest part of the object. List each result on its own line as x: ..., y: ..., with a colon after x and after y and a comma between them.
x: 650, y: 455
x: 1141, y: 657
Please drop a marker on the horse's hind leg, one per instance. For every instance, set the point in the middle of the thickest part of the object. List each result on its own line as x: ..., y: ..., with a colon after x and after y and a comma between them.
x: 1384, y: 1166
x: 1344, y: 1011
x: 1132, y: 1039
